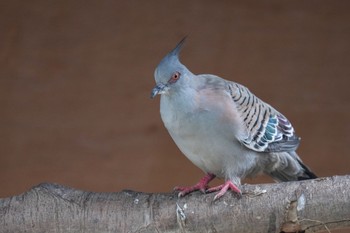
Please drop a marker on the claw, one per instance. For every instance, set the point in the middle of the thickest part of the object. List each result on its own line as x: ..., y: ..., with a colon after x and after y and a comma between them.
x: 223, y: 189
x: 202, y: 186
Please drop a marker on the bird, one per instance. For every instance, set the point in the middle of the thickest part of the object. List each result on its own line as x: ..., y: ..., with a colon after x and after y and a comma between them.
x: 224, y: 129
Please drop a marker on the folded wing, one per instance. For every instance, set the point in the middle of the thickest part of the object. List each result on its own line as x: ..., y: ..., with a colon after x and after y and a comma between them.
x: 267, y: 130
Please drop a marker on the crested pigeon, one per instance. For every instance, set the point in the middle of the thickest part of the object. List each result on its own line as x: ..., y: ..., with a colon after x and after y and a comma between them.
x: 224, y: 129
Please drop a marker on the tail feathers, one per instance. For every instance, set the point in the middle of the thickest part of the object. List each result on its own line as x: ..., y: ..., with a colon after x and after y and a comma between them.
x: 289, y: 167
x: 307, y: 174
x: 281, y: 176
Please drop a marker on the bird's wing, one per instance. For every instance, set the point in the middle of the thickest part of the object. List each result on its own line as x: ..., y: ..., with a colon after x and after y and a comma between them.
x: 267, y: 130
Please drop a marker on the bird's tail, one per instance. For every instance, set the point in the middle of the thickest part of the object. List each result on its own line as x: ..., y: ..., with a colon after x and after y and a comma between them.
x: 291, y: 168
x: 307, y: 174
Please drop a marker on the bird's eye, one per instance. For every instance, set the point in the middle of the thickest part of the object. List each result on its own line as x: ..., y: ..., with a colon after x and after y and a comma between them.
x: 174, y: 77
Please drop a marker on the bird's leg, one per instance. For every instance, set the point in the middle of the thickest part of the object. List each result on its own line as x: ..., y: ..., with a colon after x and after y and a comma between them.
x: 202, y: 185
x: 223, y: 188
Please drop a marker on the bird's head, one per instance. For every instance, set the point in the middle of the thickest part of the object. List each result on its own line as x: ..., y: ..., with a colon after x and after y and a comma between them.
x: 170, y: 74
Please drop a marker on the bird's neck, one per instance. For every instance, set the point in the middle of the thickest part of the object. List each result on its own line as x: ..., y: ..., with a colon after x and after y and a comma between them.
x: 176, y: 106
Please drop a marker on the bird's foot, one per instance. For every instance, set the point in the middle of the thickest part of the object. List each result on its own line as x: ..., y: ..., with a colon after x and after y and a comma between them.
x: 223, y: 188
x: 202, y: 185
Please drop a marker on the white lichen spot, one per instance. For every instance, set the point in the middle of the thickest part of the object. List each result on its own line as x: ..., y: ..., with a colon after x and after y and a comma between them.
x: 180, y: 213
x: 136, y: 201
x: 301, y: 202
x: 258, y: 191
x: 185, y: 206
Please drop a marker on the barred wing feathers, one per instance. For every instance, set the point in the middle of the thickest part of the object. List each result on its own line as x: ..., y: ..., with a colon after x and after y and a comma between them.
x: 267, y: 130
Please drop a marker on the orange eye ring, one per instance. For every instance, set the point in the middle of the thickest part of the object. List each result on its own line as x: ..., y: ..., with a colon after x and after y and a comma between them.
x: 175, y: 77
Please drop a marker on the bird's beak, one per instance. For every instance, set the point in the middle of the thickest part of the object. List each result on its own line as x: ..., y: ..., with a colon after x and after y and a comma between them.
x: 160, y: 88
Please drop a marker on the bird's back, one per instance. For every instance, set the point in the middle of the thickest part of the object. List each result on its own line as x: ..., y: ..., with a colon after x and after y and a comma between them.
x: 219, y: 124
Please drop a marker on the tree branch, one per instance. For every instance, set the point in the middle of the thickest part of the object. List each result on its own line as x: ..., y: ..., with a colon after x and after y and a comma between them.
x: 312, y: 205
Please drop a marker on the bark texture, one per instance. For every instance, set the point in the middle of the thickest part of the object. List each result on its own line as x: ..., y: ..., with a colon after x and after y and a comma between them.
x: 307, y: 206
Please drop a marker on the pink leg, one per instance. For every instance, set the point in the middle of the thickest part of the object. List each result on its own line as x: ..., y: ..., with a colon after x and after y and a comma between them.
x: 202, y: 185
x: 223, y: 188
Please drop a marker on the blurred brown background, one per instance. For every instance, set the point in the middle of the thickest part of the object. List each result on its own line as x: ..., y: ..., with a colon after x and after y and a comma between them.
x: 75, y: 80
